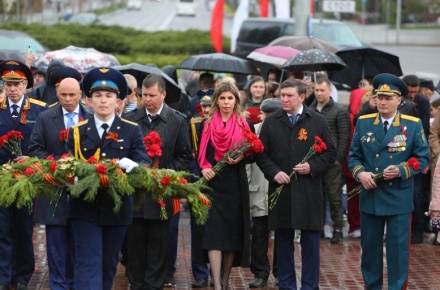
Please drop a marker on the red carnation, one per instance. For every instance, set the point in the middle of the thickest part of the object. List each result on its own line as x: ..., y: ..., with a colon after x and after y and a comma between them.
x: 414, y: 163
x: 317, y: 148
x: 184, y: 181
x: 165, y: 180
x: 53, y: 166
x: 92, y: 160
x: 161, y: 203
x: 64, y: 134
x: 101, y: 169
x: 50, y: 157
x: 29, y: 171
x: 65, y: 155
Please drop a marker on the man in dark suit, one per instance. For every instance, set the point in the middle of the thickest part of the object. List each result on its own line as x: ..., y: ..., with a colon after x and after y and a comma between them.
x: 421, y: 181
x: 48, y: 139
x: 384, y: 142
x: 19, y: 113
x: 287, y: 136
x: 147, y: 237
x: 98, y: 230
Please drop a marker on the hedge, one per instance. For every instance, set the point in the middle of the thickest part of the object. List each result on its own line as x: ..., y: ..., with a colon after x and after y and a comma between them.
x: 128, y: 44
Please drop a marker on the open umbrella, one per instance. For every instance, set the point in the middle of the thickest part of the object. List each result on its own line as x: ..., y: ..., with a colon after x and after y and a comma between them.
x: 140, y: 71
x: 365, y: 61
x: 314, y: 60
x: 6, y: 55
x: 219, y: 62
x: 304, y: 43
x: 79, y: 58
x: 274, y: 55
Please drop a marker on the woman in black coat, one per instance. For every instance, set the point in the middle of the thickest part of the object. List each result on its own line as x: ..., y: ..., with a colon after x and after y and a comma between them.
x: 226, y: 232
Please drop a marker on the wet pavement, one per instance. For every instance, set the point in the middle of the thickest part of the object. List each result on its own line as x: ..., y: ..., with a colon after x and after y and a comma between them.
x: 340, y: 265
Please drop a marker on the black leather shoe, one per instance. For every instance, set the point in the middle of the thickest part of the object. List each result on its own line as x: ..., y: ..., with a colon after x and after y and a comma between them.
x: 258, y: 283
x: 5, y: 287
x: 200, y: 283
x: 337, y: 237
x: 21, y: 286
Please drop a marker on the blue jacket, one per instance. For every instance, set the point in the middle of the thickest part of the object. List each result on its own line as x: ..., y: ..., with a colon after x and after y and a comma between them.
x: 132, y: 146
x: 372, y: 150
x: 29, y: 112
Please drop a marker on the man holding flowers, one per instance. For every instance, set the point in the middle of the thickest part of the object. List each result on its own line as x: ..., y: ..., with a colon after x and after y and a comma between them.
x: 298, y: 148
x: 392, y: 146
x: 49, y: 138
x: 98, y: 231
x: 17, y: 113
x: 148, y: 237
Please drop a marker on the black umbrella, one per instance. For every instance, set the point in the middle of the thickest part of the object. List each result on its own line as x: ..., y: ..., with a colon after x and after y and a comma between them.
x: 365, y: 61
x: 219, y: 62
x: 140, y: 71
x: 314, y: 60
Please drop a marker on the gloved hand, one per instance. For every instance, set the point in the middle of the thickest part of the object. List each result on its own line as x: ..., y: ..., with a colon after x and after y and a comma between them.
x: 127, y: 164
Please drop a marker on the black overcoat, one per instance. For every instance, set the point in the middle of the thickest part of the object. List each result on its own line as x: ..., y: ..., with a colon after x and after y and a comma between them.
x: 300, y: 205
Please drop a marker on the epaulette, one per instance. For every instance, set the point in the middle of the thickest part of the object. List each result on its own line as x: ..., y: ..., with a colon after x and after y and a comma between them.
x: 80, y: 123
x: 37, y: 102
x: 410, y: 118
x: 129, y: 122
x: 369, y: 116
x: 53, y: 105
x: 196, y: 120
x: 83, y: 101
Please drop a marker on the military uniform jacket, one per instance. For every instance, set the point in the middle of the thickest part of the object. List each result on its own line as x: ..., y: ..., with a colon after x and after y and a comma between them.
x: 301, y: 201
x: 24, y: 123
x: 372, y: 150
x: 176, y: 148
x: 130, y: 145
x: 45, y: 141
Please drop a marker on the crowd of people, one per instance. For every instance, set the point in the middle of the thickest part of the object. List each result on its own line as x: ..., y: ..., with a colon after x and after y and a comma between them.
x: 313, y: 147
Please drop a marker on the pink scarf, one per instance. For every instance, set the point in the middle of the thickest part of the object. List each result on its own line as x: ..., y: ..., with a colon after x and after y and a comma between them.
x: 222, y: 137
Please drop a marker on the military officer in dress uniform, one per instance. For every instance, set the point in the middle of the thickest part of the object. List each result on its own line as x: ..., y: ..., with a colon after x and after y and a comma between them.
x: 49, y: 139
x: 383, y: 143
x: 98, y: 231
x: 19, y: 113
x: 200, y: 271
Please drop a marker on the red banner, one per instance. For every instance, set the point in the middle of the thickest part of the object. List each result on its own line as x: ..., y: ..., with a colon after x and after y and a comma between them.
x: 217, y: 26
x: 264, y: 8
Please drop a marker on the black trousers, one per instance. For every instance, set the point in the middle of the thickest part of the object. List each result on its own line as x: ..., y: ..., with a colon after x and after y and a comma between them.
x: 147, y: 247
x: 260, y: 266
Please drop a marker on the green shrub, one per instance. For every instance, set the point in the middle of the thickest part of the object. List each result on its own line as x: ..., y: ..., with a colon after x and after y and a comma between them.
x: 127, y: 44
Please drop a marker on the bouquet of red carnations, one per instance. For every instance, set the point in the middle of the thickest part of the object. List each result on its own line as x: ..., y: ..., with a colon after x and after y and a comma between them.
x: 12, y: 142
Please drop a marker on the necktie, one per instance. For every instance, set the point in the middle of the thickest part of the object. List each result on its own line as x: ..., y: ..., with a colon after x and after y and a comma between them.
x: 70, y: 121
x: 294, y: 118
x: 14, y: 111
x: 152, y: 118
x: 385, y: 126
x: 105, y: 127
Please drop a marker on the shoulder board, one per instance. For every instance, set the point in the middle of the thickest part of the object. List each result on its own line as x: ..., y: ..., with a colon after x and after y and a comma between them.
x: 80, y: 123
x: 369, y: 116
x: 410, y: 118
x: 83, y: 101
x: 129, y: 122
x: 196, y: 120
x: 53, y: 105
x: 37, y: 102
